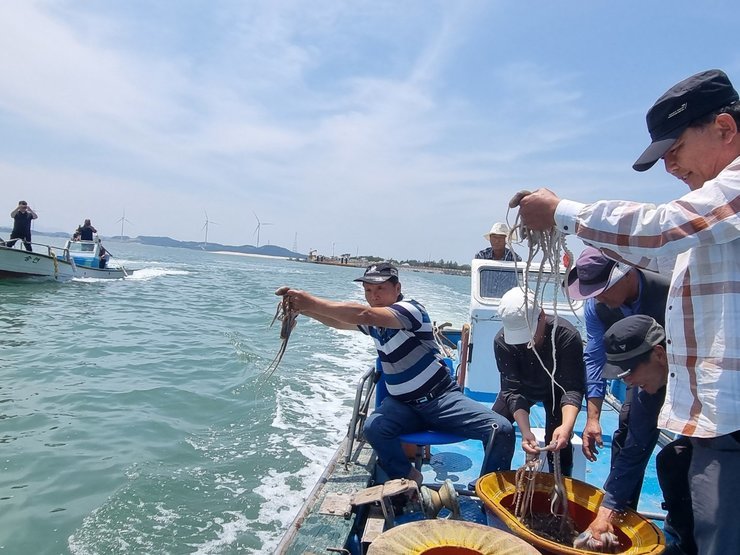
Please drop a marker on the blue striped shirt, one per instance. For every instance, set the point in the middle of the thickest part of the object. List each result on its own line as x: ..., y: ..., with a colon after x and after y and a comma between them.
x: 410, y: 358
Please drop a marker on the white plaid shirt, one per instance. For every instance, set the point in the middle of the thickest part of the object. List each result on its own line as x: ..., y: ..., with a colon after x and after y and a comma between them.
x: 702, y: 229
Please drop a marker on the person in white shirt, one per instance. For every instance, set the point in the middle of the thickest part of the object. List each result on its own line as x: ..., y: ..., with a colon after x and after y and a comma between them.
x: 694, y: 129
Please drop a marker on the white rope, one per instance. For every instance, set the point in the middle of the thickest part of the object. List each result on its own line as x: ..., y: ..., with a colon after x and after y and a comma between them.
x: 550, y: 245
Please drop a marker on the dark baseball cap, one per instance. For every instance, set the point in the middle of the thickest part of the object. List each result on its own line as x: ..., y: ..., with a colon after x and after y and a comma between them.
x: 378, y: 273
x: 626, y: 341
x: 683, y: 103
x: 593, y: 274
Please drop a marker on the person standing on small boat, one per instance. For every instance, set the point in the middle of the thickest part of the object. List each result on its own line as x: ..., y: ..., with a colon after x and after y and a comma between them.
x: 86, y: 231
x: 421, y: 393
x: 635, y: 350
x: 695, y: 130
x: 22, y: 217
x: 612, y: 291
x: 498, y: 250
x: 524, y: 380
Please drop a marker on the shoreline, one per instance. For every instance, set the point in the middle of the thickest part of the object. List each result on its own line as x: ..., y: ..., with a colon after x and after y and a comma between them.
x: 447, y: 271
x: 234, y: 253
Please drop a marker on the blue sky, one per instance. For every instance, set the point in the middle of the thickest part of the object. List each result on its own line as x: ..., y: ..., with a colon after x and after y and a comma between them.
x: 398, y: 129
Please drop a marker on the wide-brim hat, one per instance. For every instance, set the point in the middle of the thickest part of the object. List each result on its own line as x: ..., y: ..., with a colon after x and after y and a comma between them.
x: 500, y: 228
x: 593, y: 274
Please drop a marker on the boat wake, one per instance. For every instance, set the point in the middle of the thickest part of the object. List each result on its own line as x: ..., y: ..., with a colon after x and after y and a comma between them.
x: 146, y: 274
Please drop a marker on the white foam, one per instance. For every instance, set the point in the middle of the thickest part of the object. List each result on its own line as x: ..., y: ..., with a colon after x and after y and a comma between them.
x: 146, y: 274
x: 228, y: 535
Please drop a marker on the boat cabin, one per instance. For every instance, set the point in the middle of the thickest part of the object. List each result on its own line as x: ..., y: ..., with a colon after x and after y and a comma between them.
x: 489, y: 280
x: 87, y: 253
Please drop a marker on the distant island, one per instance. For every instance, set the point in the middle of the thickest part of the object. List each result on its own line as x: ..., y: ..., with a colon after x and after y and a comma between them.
x: 266, y: 250
x: 438, y: 266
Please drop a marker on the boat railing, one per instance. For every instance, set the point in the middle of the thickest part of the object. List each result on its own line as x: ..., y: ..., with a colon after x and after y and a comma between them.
x: 363, y: 396
x: 41, y: 248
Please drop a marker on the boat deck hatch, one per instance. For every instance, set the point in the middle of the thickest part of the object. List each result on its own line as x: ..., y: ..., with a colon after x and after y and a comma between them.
x: 337, y: 504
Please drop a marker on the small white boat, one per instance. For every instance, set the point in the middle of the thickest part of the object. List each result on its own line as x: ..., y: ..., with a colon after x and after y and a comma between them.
x: 90, y: 259
x: 75, y: 259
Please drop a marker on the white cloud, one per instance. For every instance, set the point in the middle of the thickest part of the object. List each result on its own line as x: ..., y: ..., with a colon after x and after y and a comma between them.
x: 330, y: 120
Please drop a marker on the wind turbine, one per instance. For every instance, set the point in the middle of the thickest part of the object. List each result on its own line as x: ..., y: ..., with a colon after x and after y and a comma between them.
x: 205, y: 226
x: 259, y: 226
x: 122, y: 220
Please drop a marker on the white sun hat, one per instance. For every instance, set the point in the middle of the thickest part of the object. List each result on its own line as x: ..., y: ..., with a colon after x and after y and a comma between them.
x: 499, y: 228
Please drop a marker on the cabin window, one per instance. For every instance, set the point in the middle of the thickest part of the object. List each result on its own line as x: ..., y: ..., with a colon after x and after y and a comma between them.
x: 548, y: 289
x: 494, y: 282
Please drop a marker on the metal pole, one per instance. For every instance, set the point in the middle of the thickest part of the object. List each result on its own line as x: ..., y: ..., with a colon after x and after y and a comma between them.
x: 489, y: 447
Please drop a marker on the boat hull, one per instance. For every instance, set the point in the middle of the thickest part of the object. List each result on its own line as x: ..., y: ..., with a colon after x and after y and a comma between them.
x: 105, y: 273
x: 21, y: 263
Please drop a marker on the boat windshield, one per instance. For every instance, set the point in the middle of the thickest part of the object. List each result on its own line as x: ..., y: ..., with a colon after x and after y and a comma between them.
x: 494, y: 282
x: 81, y: 246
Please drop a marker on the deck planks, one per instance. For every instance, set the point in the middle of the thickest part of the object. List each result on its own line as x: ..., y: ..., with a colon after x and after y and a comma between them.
x: 312, y: 532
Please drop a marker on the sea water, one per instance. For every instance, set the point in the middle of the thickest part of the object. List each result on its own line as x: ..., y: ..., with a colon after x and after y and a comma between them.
x: 134, y: 417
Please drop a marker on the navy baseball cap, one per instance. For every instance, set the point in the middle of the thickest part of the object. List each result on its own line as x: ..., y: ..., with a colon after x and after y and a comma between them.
x: 683, y: 103
x: 378, y: 273
x: 626, y: 341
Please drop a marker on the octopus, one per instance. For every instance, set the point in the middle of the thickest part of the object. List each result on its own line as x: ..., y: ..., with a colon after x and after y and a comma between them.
x: 287, y: 317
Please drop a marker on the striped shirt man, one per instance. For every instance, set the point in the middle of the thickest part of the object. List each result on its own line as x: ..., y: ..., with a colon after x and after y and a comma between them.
x: 411, y: 361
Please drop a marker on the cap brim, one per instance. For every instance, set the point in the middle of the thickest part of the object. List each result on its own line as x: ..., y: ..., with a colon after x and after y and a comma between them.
x: 656, y: 150
x: 373, y: 279
x: 612, y: 371
x: 517, y: 337
x: 579, y: 291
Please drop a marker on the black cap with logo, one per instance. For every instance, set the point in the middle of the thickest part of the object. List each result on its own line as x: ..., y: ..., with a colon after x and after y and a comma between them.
x: 683, y: 103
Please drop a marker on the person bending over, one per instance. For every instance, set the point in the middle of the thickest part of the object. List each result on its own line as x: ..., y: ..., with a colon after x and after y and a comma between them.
x: 613, y: 290
x: 526, y: 338
x: 636, y: 352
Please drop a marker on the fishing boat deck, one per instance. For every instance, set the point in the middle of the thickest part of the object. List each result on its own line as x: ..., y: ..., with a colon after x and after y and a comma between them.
x: 324, y: 525
x: 318, y: 529
x: 460, y: 463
